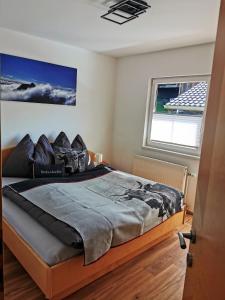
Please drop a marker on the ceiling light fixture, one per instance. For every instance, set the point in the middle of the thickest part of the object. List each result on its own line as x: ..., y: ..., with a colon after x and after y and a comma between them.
x: 125, y: 11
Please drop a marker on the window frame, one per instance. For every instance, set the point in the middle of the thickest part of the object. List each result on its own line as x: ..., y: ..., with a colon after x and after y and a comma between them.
x: 193, y: 152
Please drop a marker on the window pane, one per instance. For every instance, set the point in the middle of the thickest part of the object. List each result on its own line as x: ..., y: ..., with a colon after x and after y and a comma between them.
x: 175, y: 129
x: 178, y: 113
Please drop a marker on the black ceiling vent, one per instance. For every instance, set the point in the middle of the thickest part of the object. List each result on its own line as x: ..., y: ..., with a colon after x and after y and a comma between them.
x: 125, y: 11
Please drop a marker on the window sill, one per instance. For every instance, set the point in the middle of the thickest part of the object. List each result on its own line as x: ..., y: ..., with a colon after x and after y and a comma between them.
x: 191, y: 156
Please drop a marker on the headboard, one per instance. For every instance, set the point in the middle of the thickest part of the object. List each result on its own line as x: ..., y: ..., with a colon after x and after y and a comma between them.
x: 6, y: 152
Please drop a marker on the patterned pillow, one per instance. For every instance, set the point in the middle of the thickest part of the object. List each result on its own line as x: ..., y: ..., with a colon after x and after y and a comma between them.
x: 82, y: 161
x: 79, y: 145
x: 69, y: 157
x: 75, y: 156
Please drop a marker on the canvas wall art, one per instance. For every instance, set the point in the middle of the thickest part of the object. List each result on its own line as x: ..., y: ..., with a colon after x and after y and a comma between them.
x: 28, y: 80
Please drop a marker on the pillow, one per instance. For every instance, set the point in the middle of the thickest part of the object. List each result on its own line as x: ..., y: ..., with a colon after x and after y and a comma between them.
x: 19, y: 162
x: 70, y: 158
x: 79, y: 145
x: 82, y: 161
x: 46, y: 171
x: 43, y: 154
x: 62, y: 141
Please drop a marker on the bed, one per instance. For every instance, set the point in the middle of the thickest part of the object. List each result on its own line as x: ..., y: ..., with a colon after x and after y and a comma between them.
x: 57, y: 269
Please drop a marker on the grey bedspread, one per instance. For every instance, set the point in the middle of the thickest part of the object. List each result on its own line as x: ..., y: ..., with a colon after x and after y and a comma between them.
x: 106, y: 211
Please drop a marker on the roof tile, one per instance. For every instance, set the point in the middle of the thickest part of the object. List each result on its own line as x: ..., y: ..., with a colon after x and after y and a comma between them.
x: 194, y: 97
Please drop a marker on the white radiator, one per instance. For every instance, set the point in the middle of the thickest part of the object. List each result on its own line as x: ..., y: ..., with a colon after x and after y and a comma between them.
x: 161, y: 171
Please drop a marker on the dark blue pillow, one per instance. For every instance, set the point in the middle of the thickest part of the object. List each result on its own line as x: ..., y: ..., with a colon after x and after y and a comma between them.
x: 19, y: 163
x: 44, y: 154
x: 62, y: 141
x: 46, y: 171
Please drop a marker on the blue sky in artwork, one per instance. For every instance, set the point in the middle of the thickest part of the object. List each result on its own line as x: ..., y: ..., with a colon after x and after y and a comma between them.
x: 17, y: 68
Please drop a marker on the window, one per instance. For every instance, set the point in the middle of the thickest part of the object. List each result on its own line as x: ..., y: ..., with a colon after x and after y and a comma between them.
x: 175, y: 114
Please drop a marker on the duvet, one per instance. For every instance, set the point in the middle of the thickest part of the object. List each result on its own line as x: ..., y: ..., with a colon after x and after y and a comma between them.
x: 97, y: 209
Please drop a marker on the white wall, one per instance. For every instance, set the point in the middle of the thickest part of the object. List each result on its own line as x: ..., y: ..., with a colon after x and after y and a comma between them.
x: 100, y: 80
x: 133, y: 75
x: 91, y: 117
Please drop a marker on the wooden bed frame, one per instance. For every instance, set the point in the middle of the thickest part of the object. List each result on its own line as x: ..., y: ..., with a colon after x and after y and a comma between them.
x: 65, y: 278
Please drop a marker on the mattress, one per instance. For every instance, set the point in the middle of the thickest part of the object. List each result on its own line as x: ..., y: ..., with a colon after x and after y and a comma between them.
x: 50, y: 249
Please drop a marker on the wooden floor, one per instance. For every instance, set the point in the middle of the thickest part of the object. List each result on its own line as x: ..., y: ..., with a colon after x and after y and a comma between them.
x: 157, y: 274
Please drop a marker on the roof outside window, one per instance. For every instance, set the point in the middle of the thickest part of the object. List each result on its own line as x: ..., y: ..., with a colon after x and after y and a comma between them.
x: 192, y: 100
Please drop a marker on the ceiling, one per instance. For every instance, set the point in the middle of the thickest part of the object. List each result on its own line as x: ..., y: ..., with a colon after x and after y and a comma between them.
x: 168, y: 24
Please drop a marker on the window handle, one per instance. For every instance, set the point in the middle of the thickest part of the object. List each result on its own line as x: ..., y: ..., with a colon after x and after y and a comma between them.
x: 182, y: 236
